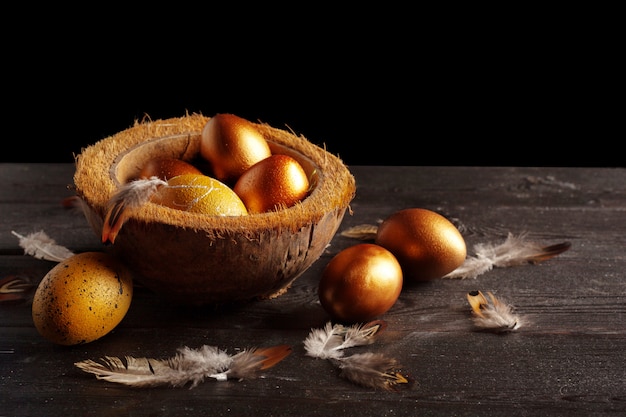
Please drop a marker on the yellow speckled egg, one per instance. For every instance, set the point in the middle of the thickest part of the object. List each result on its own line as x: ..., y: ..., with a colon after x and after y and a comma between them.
x: 82, y: 298
x: 200, y: 194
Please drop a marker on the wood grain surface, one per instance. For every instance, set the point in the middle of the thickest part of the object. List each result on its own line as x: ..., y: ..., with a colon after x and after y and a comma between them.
x: 567, y: 359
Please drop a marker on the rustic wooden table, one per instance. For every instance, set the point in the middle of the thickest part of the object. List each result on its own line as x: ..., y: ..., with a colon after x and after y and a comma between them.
x: 567, y: 359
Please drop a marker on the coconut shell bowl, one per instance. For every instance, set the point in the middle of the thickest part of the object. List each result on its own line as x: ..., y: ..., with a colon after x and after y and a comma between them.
x: 193, y: 258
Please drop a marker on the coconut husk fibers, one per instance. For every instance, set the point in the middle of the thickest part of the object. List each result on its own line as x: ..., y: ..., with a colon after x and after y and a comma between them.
x: 195, y: 258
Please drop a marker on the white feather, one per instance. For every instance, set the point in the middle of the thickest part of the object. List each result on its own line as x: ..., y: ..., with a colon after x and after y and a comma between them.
x: 41, y: 246
x: 188, y: 366
x: 136, y: 193
x: 373, y: 370
x: 329, y: 341
x: 515, y: 250
x: 492, y: 313
x: 128, y: 197
x: 324, y: 343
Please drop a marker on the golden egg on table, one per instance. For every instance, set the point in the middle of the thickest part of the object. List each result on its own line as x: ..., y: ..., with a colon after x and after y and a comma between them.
x: 166, y: 168
x: 82, y: 298
x: 360, y: 283
x: 200, y: 194
x: 427, y: 244
x: 231, y: 145
x: 276, y: 182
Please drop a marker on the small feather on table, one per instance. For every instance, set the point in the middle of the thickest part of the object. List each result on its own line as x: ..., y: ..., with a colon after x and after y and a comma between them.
x: 42, y: 246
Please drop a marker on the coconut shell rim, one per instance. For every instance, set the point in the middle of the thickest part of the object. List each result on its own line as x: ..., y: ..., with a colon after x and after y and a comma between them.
x: 335, y: 186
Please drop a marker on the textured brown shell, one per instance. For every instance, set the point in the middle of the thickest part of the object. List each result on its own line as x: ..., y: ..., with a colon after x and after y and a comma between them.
x: 197, y: 259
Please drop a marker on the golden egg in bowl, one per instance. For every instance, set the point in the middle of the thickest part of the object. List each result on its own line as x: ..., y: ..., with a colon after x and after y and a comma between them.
x: 193, y: 258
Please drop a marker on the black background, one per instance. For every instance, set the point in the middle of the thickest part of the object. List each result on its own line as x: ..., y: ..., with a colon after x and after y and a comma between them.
x: 384, y: 88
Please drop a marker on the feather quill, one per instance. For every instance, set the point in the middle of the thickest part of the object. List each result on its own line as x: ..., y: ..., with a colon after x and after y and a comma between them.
x: 187, y: 367
x: 492, y: 314
x: 127, y: 198
x: 515, y: 250
x: 42, y: 246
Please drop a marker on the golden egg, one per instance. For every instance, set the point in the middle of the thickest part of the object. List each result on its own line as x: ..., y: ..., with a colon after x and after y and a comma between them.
x: 427, y: 245
x: 276, y: 182
x: 200, y: 194
x: 82, y: 298
x: 360, y: 283
x: 231, y: 145
x: 166, y: 168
